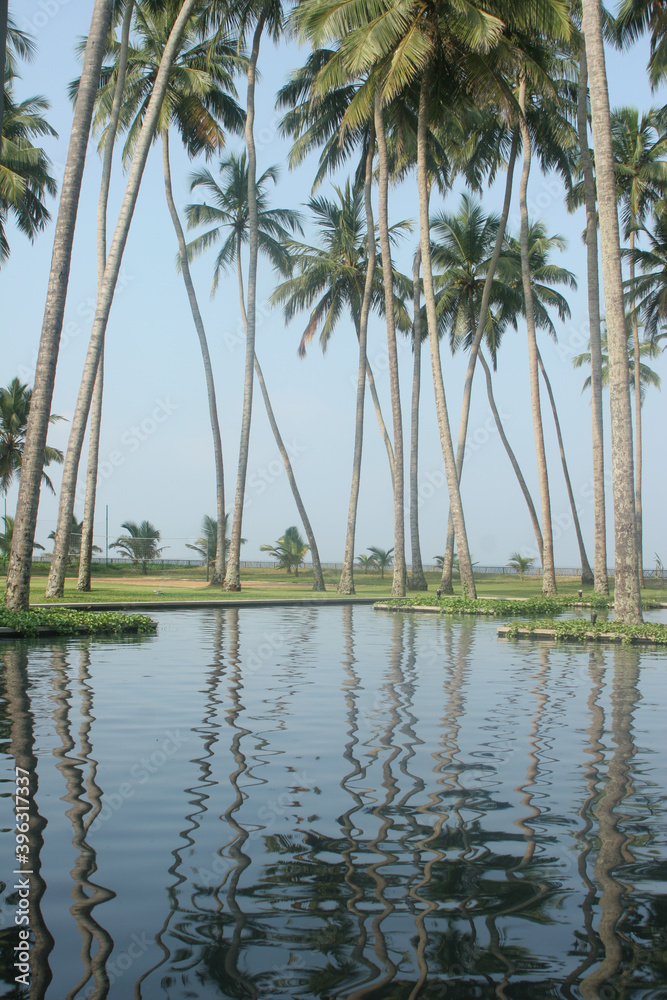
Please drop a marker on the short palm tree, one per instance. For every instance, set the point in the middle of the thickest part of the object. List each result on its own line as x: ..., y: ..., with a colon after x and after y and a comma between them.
x: 366, y: 562
x: 289, y: 551
x: 74, y: 553
x: 15, y: 402
x: 140, y: 544
x: 382, y: 558
x: 520, y: 563
x: 206, y: 545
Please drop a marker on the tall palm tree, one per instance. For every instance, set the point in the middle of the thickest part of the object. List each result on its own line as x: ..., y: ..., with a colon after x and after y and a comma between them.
x: 329, y: 278
x: 650, y: 287
x: 105, y: 295
x: 640, y: 149
x: 86, y: 552
x: 15, y: 403
x: 255, y: 16
x: 17, y: 592
x: 4, y: 5
x: 464, y: 250
x: 25, y: 169
x: 229, y: 213
x: 417, y: 578
x: 592, y: 269
x: 544, y: 277
x: 627, y: 595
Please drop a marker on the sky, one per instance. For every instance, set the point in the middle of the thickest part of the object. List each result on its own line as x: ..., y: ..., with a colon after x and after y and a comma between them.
x: 156, y: 456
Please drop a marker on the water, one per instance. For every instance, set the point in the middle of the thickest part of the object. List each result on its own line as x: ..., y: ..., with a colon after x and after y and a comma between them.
x: 337, y: 803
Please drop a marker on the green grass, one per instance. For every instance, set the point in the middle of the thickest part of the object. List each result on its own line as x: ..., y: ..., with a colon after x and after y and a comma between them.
x: 67, y: 622
x: 185, y: 583
x: 583, y: 630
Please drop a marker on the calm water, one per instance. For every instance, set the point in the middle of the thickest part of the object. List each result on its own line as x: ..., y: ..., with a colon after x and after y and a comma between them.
x: 337, y: 803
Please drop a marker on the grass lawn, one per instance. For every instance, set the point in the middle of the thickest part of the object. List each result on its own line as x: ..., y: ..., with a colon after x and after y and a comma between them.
x: 260, y: 584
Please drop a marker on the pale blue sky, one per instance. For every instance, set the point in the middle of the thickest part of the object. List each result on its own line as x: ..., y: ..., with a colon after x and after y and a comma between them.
x: 156, y: 455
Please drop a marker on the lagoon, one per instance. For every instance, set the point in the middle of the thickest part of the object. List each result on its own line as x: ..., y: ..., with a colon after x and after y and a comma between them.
x: 337, y: 803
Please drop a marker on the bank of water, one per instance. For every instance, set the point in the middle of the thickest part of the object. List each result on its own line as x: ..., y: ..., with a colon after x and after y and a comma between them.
x: 336, y: 803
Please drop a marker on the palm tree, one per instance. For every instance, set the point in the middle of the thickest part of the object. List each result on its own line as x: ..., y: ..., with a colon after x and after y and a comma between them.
x: 417, y: 578
x: 4, y: 4
x: 592, y: 268
x: 650, y: 288
x: 86, y: 556
x: 633, y: 17
x: 289, y: 550
x: 257, y: 15
x: 105, y: 295
x: 329, y: 278
x: 75, y: 539
x: 627, y: 595
x: 140, y: 544
x: 17, y: 592
x: 647, y: 376
x: 544, y: 276
x: 640, y: 149
x: 366, y: 562
x: 15, y: 401
x: 382, y: 558
x: 230, y: 211
x: 6, y: 540
x: 206, y: 545
x: 520, y: 563
x: 25, y: 169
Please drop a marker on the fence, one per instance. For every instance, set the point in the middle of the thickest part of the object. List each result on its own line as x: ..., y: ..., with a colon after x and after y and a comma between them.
x: 166, y: 564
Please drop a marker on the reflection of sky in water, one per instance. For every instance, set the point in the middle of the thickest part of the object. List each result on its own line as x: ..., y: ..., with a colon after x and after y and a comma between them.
x: 341, y: 803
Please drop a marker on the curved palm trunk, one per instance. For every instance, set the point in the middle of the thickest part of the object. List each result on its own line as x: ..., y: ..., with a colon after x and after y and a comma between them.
x: 465, y: 563
x: 318, y: 577
x: 600, y: 514
x: 3, y: 49
x: 638, y: 417
x: 512, y: 457
x: 233, y: 575
x: 627, y: 595
x: 399, y: 582
x: 17, y: 594
x: 548, y: 570
x: 417, y: 578
x: 88, y: 523
x: 346, y: 582
x: 586, y: 571
x: 105, y: 295
x: 446, y: 581
x: 380, y: 419
x: 219, y: 568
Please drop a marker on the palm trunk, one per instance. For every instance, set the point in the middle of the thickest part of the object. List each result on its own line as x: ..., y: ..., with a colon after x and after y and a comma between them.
x: 318, y: 576
x: 380, y: 419
x: 417, y: 578
x: 548, y: 570
x: 399, y: 582
x: 88, y: 523
x: 627, y: 595
x: 219, y: 568
x: 638, y: 417
x: 465, y: 563
x: 105, y: 295
x: 512, y: 457
x: 346, y: 582
x: 586, y: 571
x: 86, y: 548
x: 446, y: 581
x: 233, y: 575
x: 599, y: 507
x: 17, y: 594
x: 3, y: 51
